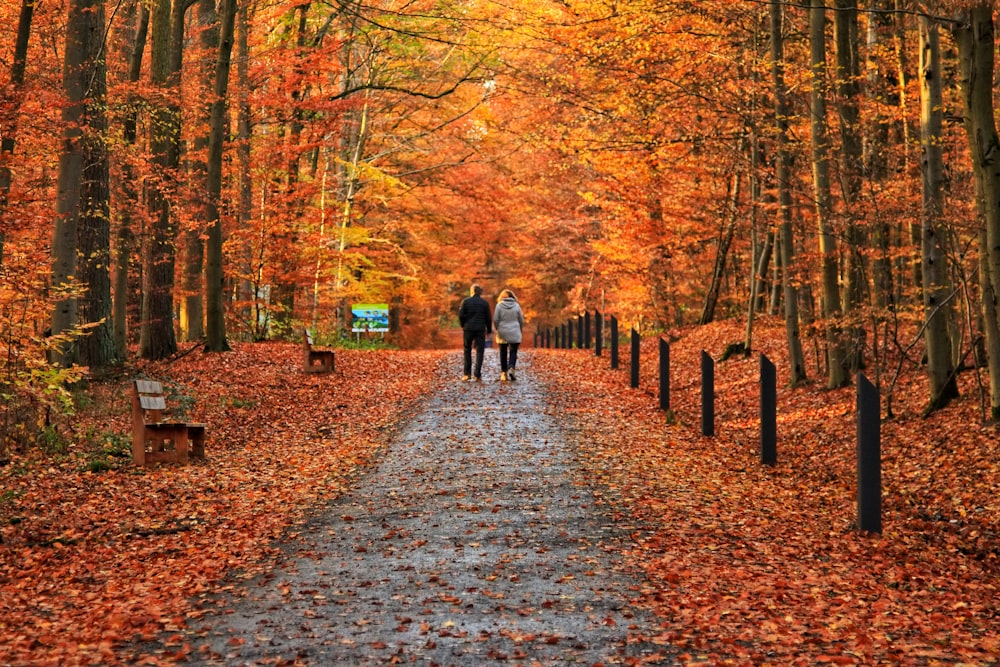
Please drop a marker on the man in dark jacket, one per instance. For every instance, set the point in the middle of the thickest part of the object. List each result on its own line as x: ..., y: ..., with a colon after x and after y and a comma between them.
x: 477, y: 322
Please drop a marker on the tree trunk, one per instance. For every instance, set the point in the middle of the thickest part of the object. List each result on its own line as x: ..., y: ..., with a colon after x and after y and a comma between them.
x: 725, y: 241
x: 796, y: 361
x: 911, y: 236
x: 125, y: 240
x: 836, y: 375
x: 192, y: 306
x: 157, y: 339
x: 75, y: 80
x: 848, y: 79
x: 936, y: 287
x: 247, y: 292
x: 284, y: 292
x: 881, y: 25
x: 217, y: 128
x: 974, y: 36
x: 97, y: 346
x: 8, y: 120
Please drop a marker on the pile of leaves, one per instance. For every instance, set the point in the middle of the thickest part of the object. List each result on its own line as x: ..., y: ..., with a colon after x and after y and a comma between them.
x: 753, y: 564
x: 96, y: 552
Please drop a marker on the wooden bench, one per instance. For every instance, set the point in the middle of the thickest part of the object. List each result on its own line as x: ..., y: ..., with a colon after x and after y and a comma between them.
x: 156, y: 440
x: 315, y: 361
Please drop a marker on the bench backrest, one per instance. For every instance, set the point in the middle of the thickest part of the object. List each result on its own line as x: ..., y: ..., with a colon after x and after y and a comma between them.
x: 308, y: 337
x: 148, y: 399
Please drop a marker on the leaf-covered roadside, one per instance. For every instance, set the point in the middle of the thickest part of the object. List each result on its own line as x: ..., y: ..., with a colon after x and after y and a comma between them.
x: 90, y: 560
x: 752, y: 565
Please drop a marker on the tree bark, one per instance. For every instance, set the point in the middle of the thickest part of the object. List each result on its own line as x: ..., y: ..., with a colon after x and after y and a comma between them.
x: 75, y: 75
x: 125, y: 240
x: 157, y: 339
x: 936, y: 287
x: 97, y: 346
x: 836, y: 376
x: 217, y: 127
x: 796, y: 360
x: 192, y: 306
x: 722, y: 252
x: 974, y: 36
x: 848, y: 77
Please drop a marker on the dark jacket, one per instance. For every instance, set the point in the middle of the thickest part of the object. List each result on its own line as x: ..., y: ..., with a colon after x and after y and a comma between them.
x: 474, y: 314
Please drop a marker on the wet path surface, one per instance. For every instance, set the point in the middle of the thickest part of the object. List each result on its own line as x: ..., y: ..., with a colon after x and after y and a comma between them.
x: 473, y: 542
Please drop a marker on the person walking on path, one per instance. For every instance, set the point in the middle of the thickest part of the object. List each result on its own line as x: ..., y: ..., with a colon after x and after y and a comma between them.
x: 508, y: 318
x: 477, y: 323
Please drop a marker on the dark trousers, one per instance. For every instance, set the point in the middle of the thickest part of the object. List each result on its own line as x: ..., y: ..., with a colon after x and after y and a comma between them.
x: 508, y: 356
x: 470, y: 339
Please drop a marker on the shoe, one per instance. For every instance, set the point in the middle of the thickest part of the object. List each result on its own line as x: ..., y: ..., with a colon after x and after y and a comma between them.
x: 503, y: 377
x: 510, y: 375
x: 465, y: 378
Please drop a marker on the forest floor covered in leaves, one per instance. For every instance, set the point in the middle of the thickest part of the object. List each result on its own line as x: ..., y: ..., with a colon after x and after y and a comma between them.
x: 749, y: 564
x: 741, y: 563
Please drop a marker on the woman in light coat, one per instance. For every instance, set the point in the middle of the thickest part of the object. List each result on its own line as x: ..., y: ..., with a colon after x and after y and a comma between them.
x: 508, y: 320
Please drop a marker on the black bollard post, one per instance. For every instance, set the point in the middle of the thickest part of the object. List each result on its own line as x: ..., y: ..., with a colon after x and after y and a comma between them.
x: 768, y: 412
x: 586, y: 329
x: 614, y: 342
x: 579, y: 332
x: 598, y: 332
x: 634, y: 377
x: 707, y: 394
x: 569, y: 335
x: 548, y: 337
x: 869, y: 457
x: 664, y: 374
x: 558, y: 338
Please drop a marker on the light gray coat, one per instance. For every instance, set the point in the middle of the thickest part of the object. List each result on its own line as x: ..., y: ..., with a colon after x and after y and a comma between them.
x: 508, y: 320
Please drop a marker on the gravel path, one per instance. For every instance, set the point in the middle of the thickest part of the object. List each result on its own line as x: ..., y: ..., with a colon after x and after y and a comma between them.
x: 473, y: 542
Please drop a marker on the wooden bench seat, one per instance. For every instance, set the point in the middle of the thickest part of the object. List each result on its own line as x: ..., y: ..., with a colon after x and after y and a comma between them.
x: 315, y: 360
x: 156, y: 439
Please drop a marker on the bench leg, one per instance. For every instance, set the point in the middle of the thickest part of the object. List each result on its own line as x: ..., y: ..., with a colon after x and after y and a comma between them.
x: 197, y: 439
x: 138, y: 448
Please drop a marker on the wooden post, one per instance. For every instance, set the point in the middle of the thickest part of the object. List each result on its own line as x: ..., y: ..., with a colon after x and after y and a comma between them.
x: 598, y: 332
x: 707, y: 394
x: 768, y: 412
x: 664, y: 374
x: 869, y: 457
x: 586, y: 329
x: 635, y: 360
x: 614, y: 342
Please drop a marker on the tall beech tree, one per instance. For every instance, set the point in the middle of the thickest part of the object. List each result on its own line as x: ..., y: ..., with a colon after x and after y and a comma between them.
x: 848, y: 83
x: 214, y: 275
x: 783, y: 175
x: 133, y: 37
x: 192, y: 304
x: 97, y: 347
x: 829, y: 254
x: 157, y: 337
x: 934, y: 271
x: 973, y: 30
x: 77, y: 71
